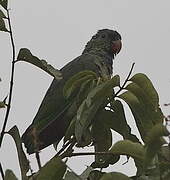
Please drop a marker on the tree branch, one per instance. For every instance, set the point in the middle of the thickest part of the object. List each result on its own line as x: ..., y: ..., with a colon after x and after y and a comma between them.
x: 89, y: 154
x: 37, y: 155
x: 11, y: 80
x: 126, y: 80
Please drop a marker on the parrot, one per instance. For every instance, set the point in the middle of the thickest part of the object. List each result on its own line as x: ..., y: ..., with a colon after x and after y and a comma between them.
x: 53, y: 118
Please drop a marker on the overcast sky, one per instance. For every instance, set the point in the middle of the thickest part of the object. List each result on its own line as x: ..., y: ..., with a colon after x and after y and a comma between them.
x: 57, y: 31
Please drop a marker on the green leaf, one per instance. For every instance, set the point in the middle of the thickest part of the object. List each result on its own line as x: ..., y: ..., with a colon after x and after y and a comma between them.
x: 117, y: 121
x: 86, y: 138
x: 2, y: 25
x: 52, y: 170
x: 165, y: 163
x: 154, y: 142
x: 77, y: 81
x: 164, y: 154
x: 86, y: 173
x: 156, y: 132
x: 84, y: 118
x: 24, y: 163
x: 144, y: 82
x: 2, y: 104
x: 139, y: 112
x: 103, y: 90
x: 9, y: 175
x: 84, y: 90
x: 114, y: 175
x: 26, y: 55
x: 129, y: 148
x: 4, y: 4
x: 71, y: 176
x: 101, y: 142
x: 154, y: 113
x: 95, y: 175
x: 2, y: 15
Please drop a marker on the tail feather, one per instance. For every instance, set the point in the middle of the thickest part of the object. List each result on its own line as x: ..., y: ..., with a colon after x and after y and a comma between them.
x: 35, y: 140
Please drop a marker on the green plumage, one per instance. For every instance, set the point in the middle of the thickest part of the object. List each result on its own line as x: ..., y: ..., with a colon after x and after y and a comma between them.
x: 52, y: 118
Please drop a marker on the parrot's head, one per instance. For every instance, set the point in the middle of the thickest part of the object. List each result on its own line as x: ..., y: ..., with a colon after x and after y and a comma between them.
x: 106, y: 40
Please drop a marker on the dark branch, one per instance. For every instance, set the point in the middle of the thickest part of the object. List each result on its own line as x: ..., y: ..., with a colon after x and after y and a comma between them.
x: 11, y: 80
x: 37, y: 155
x: 126, y: 80
x: 89, y: 154
x: 63, y: 148
x: 66, y: 145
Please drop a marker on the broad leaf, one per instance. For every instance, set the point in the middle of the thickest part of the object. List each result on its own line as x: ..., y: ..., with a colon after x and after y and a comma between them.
x: 139, y: 112
x: 52, y: 170
x: 126, y: 147
x: 95, y: 175
x: 2, y: 25
x: 26, y: 55
x: 86, y: 173
x: 24, y: 163
x: 114, y: 175
x: 71, y: 176
x: 117, y: 121
x: 103, y: 90
x: 84, y: 118
x: 101, y: 142
x: 164, y: 154
x: 2, y: 104
x: 67, y: 91
x: 157, y: 132
x: 77, y: 81
x: 4, y: 4
x: 154, y: 142
x: 2, y: 15
x: 9, y: 175
x: 152, y: 109
x: 144, y: 82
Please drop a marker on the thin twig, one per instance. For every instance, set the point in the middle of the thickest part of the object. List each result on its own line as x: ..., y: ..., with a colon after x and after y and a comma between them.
x: 68, y: 151
x: 12, y: 78
x: 126, y: 80
x: 2, y: 172
x: 37, y: 155
x: 63, y: 148
x: 89, y: 154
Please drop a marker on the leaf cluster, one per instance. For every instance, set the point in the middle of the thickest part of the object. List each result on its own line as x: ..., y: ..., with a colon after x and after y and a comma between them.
x: 100, y: 111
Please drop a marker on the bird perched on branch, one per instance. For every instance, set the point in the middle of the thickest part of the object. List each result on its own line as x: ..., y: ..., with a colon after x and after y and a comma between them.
x: 52, y: 118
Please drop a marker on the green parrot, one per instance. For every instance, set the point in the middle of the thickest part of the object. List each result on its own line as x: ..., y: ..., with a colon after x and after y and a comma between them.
x: 53, y: 117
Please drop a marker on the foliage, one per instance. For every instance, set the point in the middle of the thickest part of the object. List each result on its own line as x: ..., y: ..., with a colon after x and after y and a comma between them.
x: 100, y: 111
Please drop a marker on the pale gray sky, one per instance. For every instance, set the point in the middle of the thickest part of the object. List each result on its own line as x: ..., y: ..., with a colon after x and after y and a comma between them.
x: 58, y: 31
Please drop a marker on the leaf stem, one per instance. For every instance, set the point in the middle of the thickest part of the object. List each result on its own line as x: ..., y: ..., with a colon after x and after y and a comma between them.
x: 11, y: 80
x: 126, y: 80
x: 65, y: 146
x: 89, y: 153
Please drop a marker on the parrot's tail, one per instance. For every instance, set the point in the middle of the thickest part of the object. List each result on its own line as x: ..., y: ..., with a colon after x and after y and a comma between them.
x: 30, y: 140
x: 36, y: 139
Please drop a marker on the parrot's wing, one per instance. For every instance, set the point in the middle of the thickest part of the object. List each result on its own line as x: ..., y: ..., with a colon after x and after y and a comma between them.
x: 51, y: 121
